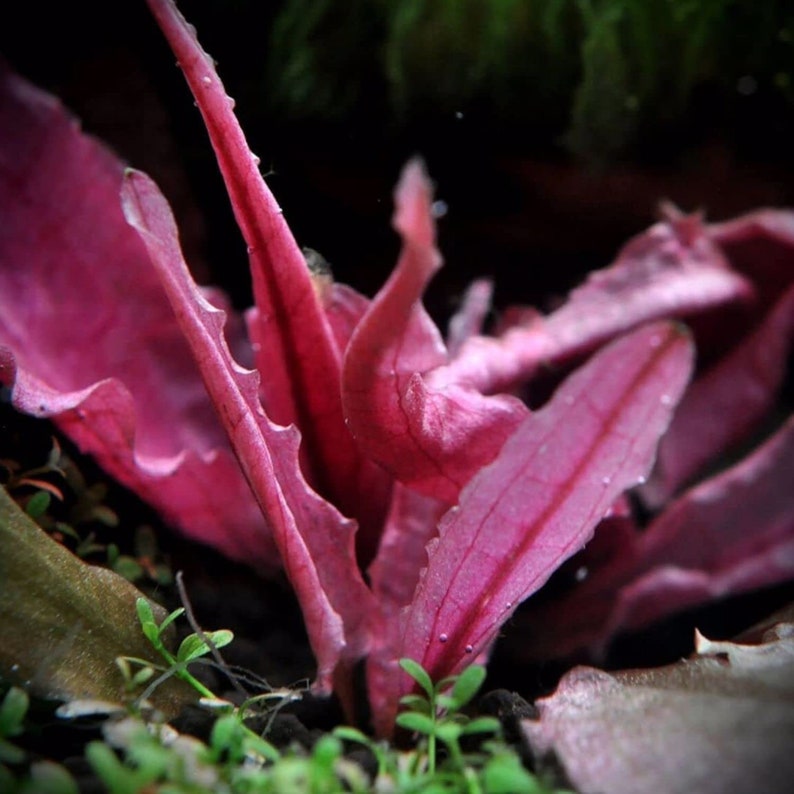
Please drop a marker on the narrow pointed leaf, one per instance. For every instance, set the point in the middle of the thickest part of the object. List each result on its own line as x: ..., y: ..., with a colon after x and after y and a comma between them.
x: 432, y: 438
x: 540, y: 500
x: 194, y: 646
x: 315, y: 541
x: 296, y: 342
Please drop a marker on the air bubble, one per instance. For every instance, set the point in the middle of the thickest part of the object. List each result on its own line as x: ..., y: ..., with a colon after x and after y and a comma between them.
x: 250, y: 249
x: 581, y: 574
x: 231, y: 102
x: 509, y: 605
x: 442, y: 637
x: 642, y: 479
x: 256, y: 159
x: 666, y: 399
x: 458, y: 115
x: 747, y: 85
x: 469, y: 649
x: 207, y: 80
x: 439, y: 209
x: 606, y: 480
x: 569, y: 399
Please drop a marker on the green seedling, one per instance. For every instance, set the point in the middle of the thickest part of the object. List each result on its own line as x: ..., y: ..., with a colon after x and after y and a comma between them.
x: 12, y: 717
x: 40, y: 777
x: 192, y: 648
x: 437, y: 715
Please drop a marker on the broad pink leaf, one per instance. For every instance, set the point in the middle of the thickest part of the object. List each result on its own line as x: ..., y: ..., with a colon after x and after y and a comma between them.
x: 731, y: 534
x: 760, y: 245
x: 720, y: 721
x: 540, y: 500
x: 315, y: 541
x: 726, y: 403
x: 671, y: 270
x: 296, y: 344
x: 89, y: 338
x: 431, y: 439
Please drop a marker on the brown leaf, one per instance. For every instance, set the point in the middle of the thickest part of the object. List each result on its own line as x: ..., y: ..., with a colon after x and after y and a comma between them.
x: 64, y: 622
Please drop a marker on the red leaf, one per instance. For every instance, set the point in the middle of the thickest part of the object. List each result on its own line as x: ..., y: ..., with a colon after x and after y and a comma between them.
x: 731, y: 534
x: 540, y: 500
x: 432, y: 438
x: 402, y: 555
x: 296, y: 344
x: 760, y: 245
x: 315, y: 541
x: 671, y: 270
x: 89, y: 338
x: 726, y: 403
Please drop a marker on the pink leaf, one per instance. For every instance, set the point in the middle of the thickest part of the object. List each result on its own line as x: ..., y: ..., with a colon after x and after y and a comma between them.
x: 402, y: 555
x: 760, y: 245
x: 719, y: 721
x: 726, y: 403
x: 731, y: 534
x: 315, y: 541
x: 296, y: 344
x: 671, y: 270
x: 540, y: 500
x: 89, y: 337
x: 432, y: 439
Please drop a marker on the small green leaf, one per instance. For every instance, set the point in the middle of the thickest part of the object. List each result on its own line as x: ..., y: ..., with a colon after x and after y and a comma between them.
x: 256, y: 745
x: 327, y: 749
x: 420, y: 723
x: 67, y: 529
x: 348, y: 734
x: 47, y: 777
x: 105, y: 515
x: 225, y: 733
x: 142, y: 676
x: 38, y: 504
x: 118, y: 778
x: 193, y: 646
x: 449, y: 731
x: 12, y: 711
x: 144, y: 610
x: 419, y: 674
x: 171, y: 618
x: 482, y: 725
x: 467, y: 685
x: 127, y: 566
x: 416, y: 703
x: 505, y: 774
x: 10, y: 753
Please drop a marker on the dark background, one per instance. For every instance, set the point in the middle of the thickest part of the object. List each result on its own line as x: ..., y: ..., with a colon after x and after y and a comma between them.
x: 522, y: 209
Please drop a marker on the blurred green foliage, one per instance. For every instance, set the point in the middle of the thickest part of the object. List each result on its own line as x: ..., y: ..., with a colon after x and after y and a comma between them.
x: 591, y: 73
